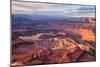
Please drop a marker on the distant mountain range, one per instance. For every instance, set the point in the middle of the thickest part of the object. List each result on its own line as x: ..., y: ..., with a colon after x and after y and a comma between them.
x: 43, y: 19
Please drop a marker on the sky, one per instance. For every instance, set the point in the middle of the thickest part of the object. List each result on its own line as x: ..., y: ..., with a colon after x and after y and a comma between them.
x: 32, y: 8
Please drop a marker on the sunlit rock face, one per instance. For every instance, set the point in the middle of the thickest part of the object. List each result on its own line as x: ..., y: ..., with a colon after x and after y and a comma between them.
x: 87, y: 34
x: 59, y: 56
x: 52, y: 50
x: 60, y: 42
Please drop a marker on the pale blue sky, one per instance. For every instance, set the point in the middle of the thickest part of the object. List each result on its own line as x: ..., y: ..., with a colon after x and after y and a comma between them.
x: 52, y: 9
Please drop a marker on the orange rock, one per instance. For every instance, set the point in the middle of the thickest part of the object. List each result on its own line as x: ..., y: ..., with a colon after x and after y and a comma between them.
x: 35, y: 62
x: 59, y: 56
x: 75, y: 54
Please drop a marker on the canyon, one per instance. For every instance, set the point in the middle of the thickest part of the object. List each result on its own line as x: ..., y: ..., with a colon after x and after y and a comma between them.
x: 58, y: 42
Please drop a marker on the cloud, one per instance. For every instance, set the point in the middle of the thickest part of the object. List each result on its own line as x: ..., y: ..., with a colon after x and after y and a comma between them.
x: 52, y: 9
x: 81, y: 11
x: 18, y: 8
x: 31, y: 7
x: 87, y: 9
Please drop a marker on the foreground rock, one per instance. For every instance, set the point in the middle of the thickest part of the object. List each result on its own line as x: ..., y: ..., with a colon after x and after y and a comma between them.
x: 53, y: 50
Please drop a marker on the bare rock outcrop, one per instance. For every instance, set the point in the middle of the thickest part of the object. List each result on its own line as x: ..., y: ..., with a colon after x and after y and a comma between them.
x: 52, y: 50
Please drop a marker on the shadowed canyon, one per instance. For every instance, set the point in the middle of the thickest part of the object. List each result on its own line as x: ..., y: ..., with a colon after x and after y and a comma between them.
x: 55, y: 41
